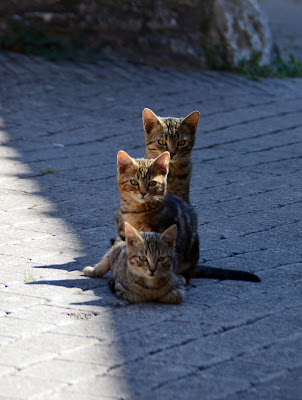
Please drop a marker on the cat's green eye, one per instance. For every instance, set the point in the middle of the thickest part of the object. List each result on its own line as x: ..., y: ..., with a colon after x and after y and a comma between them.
x: 134, y: 182
x: 182, y: 142
x: 161, y: 258
x: 162, y: 142
x: 152, y: 183
x: 143, y: 258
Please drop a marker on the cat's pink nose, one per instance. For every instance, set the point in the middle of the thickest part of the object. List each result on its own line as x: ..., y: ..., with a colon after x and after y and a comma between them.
x: 143, y: 193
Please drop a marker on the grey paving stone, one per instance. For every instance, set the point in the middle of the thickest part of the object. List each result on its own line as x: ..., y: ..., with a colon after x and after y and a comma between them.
x: 285, y: 354
x: 199, y: 385
x: 274, y: 388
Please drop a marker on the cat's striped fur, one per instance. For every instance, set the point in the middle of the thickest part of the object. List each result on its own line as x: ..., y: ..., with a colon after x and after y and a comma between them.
x: 142, y: 267
x: 153, y: 209
x: 165, y: 134
x: 146, y: 205
x: 176, y: 135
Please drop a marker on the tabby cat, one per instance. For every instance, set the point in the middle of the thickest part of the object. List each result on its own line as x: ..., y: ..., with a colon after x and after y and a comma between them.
x: 147, y: 206
x: 142, y: 267
x: 176, y: 135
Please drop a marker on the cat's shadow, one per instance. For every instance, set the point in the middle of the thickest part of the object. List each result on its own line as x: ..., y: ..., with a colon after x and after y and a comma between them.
x: 99, y: 287
x: 69, y: 266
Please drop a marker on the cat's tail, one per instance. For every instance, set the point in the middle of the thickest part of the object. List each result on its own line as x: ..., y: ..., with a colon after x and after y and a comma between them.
x: 223, y: 274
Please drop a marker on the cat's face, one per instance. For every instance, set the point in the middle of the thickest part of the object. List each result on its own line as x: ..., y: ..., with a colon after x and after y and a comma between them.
x: 150, y: 254
x: 142, y: 180
x: 175, y: 135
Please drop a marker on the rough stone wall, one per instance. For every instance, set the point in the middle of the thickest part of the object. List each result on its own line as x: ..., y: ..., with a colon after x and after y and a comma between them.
x: 241, y: 27
x: 183, y: 32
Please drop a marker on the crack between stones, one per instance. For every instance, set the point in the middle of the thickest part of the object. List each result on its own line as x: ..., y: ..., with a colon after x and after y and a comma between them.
x: 269, y: 228
x: 272, y: 148
x: 233, y: 358
x: 253, y: 120
x: 253, y: 212
x: 232, y: 109
x: 183, y: 343
x: 290, y: 128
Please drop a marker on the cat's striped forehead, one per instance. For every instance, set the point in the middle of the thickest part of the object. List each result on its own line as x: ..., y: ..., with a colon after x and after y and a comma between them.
x: 152, y: 243
x: 144, y: 166
x: 171, y: 126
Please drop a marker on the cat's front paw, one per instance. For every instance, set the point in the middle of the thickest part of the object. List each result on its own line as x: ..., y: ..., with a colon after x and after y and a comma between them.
x: 119, y: 289
x: 89, y: 271
x: 177, y: 295
x: 173, y: 297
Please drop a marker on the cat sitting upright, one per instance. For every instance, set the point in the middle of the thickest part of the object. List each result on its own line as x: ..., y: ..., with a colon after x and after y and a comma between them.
x: 147, y: 206
x: 176, y: 135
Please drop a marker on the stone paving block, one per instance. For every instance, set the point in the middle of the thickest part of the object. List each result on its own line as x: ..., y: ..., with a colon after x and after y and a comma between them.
x: 286, y: 354
x: 288, y: 137
x: 254, y: 372
x: 18, y: 328
x: 23, y: 353
x: 16, y: 387
x: 221, y: 315
x: 162, y: 372
x: 13, y: 302
x: 122, y: 318
x: 195, y: 353
x: 249, y: 114
x: 67, y: 393
x: 283, y: 274
x: 279, y: 388
x: 6, y: 370
x: 110, y: 387
x: 56, y: 316
x: 198, y: 386
x: 271, y: 298
x: 5, y: 340
x: 150, y: 339
x: 102, y: 354
x: 62, y: 371
x: 228, y: 137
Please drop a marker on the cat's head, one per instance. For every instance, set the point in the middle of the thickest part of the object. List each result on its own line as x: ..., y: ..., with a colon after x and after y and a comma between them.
x: 150, y: 254
x: 176, y: 135
x: 142, y: 180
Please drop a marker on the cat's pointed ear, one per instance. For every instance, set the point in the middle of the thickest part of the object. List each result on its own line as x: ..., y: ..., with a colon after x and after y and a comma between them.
x: 191, y: 120
x: 161, y: 163
x: 169, y: 236
x: 150, y: 120
x: 133, y: 238
x: 124, y: 161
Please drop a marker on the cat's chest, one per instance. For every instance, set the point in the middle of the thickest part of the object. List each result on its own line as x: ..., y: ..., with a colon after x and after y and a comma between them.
x: 139, y: 221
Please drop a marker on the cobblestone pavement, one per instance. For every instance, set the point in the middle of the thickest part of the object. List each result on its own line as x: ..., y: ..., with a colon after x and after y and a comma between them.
x: 65, y: 336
